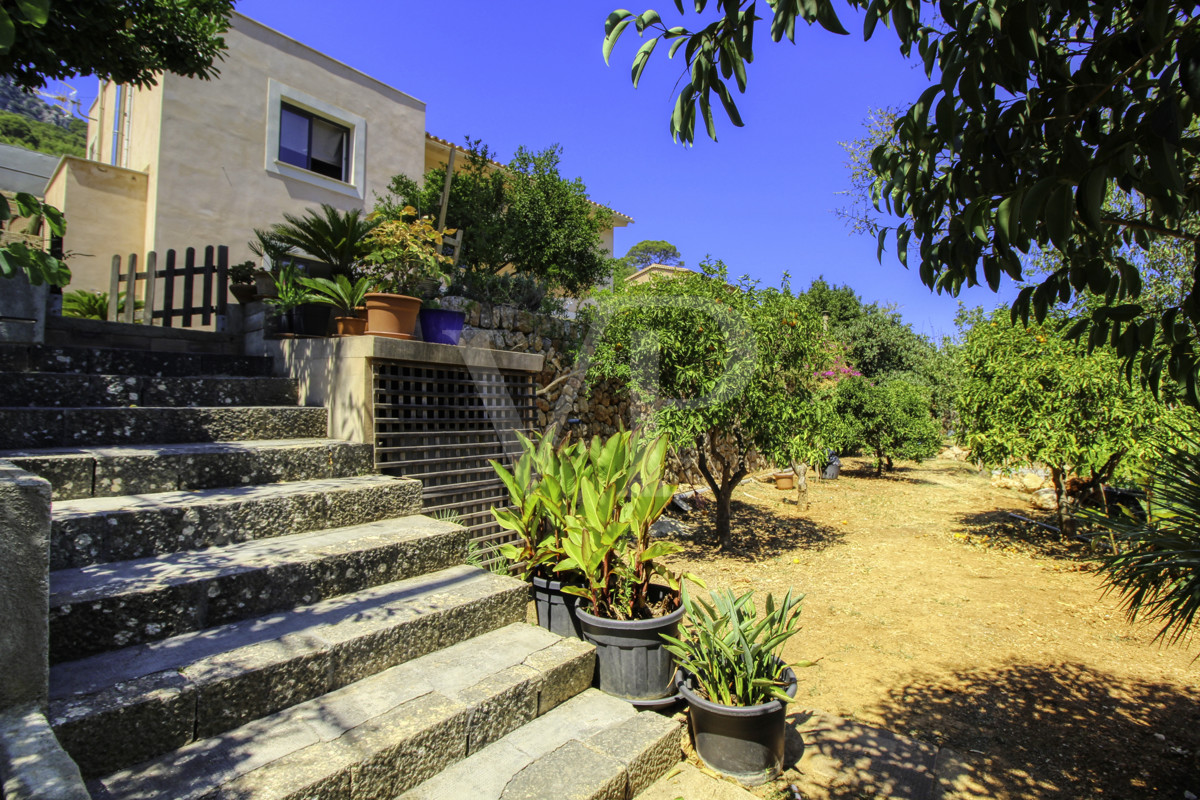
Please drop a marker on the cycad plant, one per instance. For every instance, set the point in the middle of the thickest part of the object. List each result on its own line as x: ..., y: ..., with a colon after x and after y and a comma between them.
x: 731, y: 652
x: 1155, y: 563
x: 93, y: 305
x: 339, y: 292
x: 335, y: 237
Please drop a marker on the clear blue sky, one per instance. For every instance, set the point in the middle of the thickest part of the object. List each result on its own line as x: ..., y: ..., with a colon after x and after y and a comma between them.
x: 761, y: 199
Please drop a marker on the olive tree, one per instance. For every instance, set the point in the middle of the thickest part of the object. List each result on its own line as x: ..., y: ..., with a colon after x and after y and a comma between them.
x: 729, y: 370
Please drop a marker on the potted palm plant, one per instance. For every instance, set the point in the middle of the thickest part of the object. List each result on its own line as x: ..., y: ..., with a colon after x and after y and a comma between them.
x: 403, y: 255
x: 341, y: 293
x: 628, y: 598
x: 736, y: 685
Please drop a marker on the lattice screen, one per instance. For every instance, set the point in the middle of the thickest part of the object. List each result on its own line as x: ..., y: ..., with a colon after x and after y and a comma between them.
x: 441, y: 424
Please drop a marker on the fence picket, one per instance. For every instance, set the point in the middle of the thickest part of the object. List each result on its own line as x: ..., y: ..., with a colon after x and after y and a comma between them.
x: 168, y: 309
x: 130, y: 288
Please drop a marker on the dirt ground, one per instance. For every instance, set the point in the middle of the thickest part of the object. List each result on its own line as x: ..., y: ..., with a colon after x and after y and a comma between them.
x: 931, y: 613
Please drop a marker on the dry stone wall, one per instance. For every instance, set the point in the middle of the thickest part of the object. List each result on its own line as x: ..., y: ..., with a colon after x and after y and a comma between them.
x: 564, y: 399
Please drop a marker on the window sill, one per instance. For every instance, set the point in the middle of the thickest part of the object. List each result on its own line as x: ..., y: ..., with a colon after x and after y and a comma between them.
x: 286, y: 170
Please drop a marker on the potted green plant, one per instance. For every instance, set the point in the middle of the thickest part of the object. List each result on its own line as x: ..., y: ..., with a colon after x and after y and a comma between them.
x: 341, y: 293
x: 274, y: 254
x: 736, y: 685
x: 241, y: 282
x: 543, y: 477
x: 402, y: 255
x: 290, y: 293
x: 629, y: 599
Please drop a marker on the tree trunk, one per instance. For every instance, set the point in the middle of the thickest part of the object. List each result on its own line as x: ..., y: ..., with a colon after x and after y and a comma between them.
x: 801, y: 471
x: 724, y: 531
x: 1056, y: 477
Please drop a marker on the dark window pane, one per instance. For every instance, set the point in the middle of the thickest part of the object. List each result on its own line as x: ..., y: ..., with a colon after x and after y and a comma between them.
x: 293, y: 137
x: 328, y: 148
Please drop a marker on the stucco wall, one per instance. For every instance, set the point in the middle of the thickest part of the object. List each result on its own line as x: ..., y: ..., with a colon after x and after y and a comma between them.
x: 105, y: 208
x: 212, y: 186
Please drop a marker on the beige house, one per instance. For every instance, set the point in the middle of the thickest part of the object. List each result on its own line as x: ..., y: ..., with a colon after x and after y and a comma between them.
x: 191, y: 163
x: 652, y: 271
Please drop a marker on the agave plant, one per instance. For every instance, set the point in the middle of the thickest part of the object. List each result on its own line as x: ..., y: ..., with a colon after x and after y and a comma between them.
x: 339, y: 292
x: 1155, y: 563
x: 732, y: 653
x: 336, y: 237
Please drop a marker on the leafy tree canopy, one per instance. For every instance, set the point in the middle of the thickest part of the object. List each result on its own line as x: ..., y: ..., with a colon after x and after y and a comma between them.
x: 1034, y: 114
x: 525, y: 215
x: 653, y: 251
x: 1030, y: 395
x: 45, y: 137
x: 723, y: 368
x: 128, y: 41
x: 890, y: 420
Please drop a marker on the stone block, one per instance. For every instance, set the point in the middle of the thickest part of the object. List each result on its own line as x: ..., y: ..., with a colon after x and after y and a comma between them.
x: 24, y: 586
x: 33, y: 766
x: 501, y: 703
x: 592, y: 776
x: 647, y: 744
x: 70, y: 476
x: 407, y: 745
x: 567, y: 668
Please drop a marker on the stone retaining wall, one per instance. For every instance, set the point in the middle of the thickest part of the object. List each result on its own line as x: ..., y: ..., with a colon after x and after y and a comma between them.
x: 564, y: 400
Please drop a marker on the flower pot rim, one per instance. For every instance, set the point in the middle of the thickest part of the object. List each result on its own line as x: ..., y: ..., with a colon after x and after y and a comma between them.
x: 367, y: 297
x: 551, y: 583
x: 633, y: 624
x: 683, y: 677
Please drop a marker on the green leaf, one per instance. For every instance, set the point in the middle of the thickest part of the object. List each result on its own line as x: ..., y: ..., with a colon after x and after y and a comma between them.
x: 828, y: 19
x: 36, y: 12
x: 640, y: 60
x: 613, y: 27
x: 8, y: 31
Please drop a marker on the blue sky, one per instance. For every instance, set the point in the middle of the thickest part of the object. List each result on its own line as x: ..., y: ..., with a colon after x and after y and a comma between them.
x: 761, y: 198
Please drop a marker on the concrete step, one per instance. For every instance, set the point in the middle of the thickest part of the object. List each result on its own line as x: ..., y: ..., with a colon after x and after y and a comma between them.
x: 592, y: 747
x: 110, y: 606
x: 112, y: 471
x: 114, y: 361
x: 121, y: 708
x: 49, y: 389
x: 88, y: 427
x: 380, y: 736
x: 98, y: 530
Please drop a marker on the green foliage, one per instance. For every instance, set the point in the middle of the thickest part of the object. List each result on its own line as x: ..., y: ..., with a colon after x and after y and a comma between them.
x: 1156, y: 565
x: 717, y: 362
x: 125, y: 41
x: 523, y: 291
x: 840, y: 305
x: 242, y: 272
x: 733, y: 655
x: 290, y: 291
x: 339, y: 292
x: 890, y: 421
x: 525, y: 215
x: 403, y: 253
x: 338, y: 238
x: 643, y: 254
x: 583, y: 512
x: 27, y: 255
x: 45, y: 137
x: 267, y: 245
x: 1031, y: 395
x: 1035, y: 114
x: 85, y: 304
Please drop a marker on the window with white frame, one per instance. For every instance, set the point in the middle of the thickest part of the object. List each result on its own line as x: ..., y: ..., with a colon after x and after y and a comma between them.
x: 315, y: 142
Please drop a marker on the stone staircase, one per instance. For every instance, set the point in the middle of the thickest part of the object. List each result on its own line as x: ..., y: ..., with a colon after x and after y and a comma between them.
x: 242, y: 608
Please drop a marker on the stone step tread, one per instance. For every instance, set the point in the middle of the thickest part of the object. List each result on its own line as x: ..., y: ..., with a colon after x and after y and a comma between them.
x: 54, y: 390
x: 87, y: 426
x: 113, y: 470
x: 380, y: 736
x: 108, y: 360
x: 162, y: 695
x: 96, y: 530
x: 107, y: 607
x: 122, y: 504
x: 88, y: 584
x: 592, y: 747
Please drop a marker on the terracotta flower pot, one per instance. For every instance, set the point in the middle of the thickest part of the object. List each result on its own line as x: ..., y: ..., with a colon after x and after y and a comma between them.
x: 350, y: 326
x: 392, y: 315
x: 784, y: 480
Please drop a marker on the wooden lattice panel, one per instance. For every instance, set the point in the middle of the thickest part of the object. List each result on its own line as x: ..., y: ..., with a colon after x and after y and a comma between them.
x: 441, y: 424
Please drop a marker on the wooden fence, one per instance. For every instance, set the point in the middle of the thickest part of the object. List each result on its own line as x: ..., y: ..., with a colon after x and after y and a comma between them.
x: 211, y: 298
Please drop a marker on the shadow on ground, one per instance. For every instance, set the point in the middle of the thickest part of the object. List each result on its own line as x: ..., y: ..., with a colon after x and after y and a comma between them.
x: 1058, y: 731
x: 998, y: 529
x: 759, y: 533
x: 865, y: 469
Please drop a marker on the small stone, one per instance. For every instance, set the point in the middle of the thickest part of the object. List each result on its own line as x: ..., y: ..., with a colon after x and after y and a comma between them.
x: 1160, y: 737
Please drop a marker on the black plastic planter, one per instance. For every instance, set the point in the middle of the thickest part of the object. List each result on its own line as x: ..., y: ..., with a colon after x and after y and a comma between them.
x: 630, y: 658
x: 555, y: 608
x: 743, y: 742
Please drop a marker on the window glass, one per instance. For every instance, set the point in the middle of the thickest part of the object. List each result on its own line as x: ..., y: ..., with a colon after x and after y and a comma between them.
x: 293, y: 137
x: 328, y: 148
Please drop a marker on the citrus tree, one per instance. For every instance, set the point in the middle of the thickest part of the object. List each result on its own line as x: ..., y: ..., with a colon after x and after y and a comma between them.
x: 730, y: 370
x: 1031, y: 395
x: 890, y: 420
